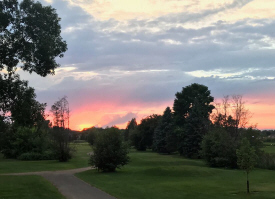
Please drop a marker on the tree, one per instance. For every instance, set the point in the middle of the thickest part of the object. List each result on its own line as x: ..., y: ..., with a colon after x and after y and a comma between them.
x: 247, y: 159
x: 232, y: 114
x: 18, y: 104
x: 29, y: 34
x: 191, y: 97
x: 163, y: 135
x: 142, y: 137
x: 219, y: 148
x: 130, y: 126
x: 60, y: 143
x: 192, y: 108
x: 110, y: 152
x: 61, y: 113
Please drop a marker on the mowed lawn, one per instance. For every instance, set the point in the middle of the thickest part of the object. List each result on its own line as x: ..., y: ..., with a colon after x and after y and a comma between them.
x: 27, y: 187
x: 269, y: 147
x: 80, y: 159
x: 150, y: 175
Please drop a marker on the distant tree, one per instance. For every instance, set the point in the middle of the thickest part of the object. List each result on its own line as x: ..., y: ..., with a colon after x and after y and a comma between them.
x: 61, y: 113
x: 192, y: 108
x: 142, y: 137
x: 29, y: 34
x: 110, y: 152
x: 163, y: 133
x: 92, y: 134
x: 247, y: 159
x: 232, y: 115
x: 130, y: 126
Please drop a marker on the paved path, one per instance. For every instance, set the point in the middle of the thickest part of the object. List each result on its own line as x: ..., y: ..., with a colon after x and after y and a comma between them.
x: 69, y: 185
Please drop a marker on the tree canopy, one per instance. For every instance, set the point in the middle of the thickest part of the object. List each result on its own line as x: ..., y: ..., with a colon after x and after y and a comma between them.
x: 29, y: 35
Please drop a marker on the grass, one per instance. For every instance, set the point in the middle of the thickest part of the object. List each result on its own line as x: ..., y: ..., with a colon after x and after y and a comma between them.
x: 150, y: 175
x: 79, y: 160
x: 269, y: 147
x: 26, y: 187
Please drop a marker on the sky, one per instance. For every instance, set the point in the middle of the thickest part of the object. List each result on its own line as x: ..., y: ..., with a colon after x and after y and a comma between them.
x: 127, y: 59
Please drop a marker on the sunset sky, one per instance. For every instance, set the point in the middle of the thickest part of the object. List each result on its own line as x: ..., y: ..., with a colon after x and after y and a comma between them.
x: 128, y: 58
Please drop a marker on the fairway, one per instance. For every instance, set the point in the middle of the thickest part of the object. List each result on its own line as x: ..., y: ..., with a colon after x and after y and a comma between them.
x: 26, y: 187
x: 80, y: 159
x: 150, y: 175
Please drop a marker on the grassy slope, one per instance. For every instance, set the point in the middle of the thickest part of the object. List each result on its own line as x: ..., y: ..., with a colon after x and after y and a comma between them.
x: 79, y: 160
x: 26, y: 187
x: 150, y: 175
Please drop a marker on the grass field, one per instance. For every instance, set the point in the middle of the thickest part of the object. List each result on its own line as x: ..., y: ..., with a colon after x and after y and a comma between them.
x: 150, y: 175
x: 269, y: 147
x: 26, y: 187
x: 79, y: 160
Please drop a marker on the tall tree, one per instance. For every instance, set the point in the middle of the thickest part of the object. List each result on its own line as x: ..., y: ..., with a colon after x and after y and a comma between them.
x: 30, y: 34
x: 131, y: 125
x: 142, y: 137
x: 61, y: 113
x: 192, y: 108
x: 163, y: 134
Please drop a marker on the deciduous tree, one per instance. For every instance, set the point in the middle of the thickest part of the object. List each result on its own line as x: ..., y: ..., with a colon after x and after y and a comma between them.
x: 247, y: 159
x: 30, y: 34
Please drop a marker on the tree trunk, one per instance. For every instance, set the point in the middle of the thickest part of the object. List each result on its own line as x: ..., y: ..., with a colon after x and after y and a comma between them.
x: 247, y: 183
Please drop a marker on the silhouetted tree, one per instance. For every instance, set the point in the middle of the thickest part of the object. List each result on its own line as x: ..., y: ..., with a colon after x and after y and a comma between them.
x: 192, y: 107
x: 61, y: 113
x: 18, y: 104
x: 130, y: 126
x: 142, y: 137
x: 163, y: 134
x: 30, y: 34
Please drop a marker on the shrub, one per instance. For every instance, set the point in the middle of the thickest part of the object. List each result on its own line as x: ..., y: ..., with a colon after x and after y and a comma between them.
x: 219, y: 149
x: 47, y: 155
x: 60, y: 144
x: 109, y: 151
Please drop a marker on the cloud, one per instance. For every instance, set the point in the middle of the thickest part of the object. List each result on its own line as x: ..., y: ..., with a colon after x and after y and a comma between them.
x: 120, y: 62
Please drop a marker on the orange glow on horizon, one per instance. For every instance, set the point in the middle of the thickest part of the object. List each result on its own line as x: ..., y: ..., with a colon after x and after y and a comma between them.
x: 105, y: 114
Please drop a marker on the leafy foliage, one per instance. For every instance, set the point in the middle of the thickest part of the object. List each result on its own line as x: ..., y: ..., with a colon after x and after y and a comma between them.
x: 142, y: 137
x: 219, y: 148
x: 18, y: 104
x: 131, y: 125
x: 60, y: 143
x: 30, y: 34
x: 110, y: 152
x: 247, y: 158
x: 192, y: 107
x: 163, y: 135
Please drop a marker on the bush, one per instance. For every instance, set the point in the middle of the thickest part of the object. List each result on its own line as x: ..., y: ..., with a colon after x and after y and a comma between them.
x: 219, y: 149
x: 109, y: 151
x: 47, y: 155
x: 60, y: 144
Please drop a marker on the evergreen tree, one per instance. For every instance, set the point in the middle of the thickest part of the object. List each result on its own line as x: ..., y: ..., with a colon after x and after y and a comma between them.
x: 164, y: 130
x: 130, y: 126
x: 192, y: 108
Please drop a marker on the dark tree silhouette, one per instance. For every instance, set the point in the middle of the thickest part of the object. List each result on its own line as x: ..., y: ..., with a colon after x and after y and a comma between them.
x: 30, y: 34
x: 192, y: 108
